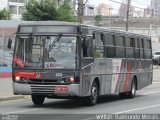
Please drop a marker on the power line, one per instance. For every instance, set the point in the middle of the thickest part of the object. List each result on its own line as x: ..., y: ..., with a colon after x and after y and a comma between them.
x: 133, y: 6
x: 125, y: 4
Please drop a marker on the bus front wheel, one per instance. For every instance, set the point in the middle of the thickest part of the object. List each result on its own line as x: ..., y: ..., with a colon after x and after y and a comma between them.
x: 38, y: 99
x: 92, y: 99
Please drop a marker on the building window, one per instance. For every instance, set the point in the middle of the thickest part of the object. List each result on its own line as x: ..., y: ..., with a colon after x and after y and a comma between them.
x: 22, y: 1
x: 13, y: 9
x: 13, y: 0
x: 21, y: 9
x: 18, y: 1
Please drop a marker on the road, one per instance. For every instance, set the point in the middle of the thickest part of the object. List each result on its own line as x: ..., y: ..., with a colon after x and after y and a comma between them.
x: 147, y: 100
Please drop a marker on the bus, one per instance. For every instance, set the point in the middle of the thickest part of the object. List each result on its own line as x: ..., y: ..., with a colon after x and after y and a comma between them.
x: 71, y: 60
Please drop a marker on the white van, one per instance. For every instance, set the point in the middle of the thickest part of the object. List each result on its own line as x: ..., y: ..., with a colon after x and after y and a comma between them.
x: 156, y: 57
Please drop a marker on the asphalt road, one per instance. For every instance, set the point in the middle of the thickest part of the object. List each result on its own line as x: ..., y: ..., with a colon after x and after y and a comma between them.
x: 147, y: 101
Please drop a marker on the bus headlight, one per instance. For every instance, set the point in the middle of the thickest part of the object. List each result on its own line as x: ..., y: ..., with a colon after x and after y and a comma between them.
x: 17, y: 78
x: 71, y: 79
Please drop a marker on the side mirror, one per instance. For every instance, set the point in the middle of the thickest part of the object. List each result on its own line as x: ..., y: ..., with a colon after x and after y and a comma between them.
x: 9, y: 46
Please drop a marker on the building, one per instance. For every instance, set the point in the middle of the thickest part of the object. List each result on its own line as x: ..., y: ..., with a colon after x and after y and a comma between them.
x: 104, y: 9
x: 89, y: 10
x: 148, y: 12
x: 16, y: 7
x: 123, y: 9
x: 138, y: 14
x: 155, y: 5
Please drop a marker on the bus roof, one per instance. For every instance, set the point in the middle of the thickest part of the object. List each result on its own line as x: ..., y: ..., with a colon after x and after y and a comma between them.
x: 36, y: 23
x: 56, y: 23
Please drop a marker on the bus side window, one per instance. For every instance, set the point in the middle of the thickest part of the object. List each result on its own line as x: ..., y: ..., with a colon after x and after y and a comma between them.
x: 137, y: 49
x: 130, y: 44
x: 120, y: 47
x: 147, y: 49
x: 99, y: 45
x: 110, y: 45
x: 87, y: 46
x: 141, y: 48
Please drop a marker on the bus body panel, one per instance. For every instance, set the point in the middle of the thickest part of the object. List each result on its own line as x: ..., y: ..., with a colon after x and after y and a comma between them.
x: 45, y: 82
x: 48, y: 90
x: 114, y: 75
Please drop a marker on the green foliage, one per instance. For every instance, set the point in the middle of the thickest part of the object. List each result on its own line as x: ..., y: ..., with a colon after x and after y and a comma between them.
x: 48, y: 10
x: 65, y: 12
x: 40, y: 10
x: 98, y: 19
x: 4, y: 14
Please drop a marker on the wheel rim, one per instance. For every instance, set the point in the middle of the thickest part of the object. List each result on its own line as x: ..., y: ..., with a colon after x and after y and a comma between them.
x: 94, y: 93
x: 133, y: 88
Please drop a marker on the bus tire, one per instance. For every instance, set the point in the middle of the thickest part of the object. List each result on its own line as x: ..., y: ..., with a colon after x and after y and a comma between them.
x: 132, y: 92
x: 92, y: 99
x: 38, y: 99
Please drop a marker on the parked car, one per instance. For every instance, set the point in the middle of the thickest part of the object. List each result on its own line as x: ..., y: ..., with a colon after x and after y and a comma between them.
x: 156, y: 57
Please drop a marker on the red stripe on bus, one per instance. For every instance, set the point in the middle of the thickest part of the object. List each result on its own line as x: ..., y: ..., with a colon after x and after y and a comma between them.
x: 25, y: 74
x: 127, y: 78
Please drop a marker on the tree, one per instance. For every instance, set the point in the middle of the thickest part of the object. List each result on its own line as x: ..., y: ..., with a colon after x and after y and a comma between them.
x: 64, y: 12
x: 40, y: 10
x: 47, y: 10
x: 4, y: 14
x: 98, y: 19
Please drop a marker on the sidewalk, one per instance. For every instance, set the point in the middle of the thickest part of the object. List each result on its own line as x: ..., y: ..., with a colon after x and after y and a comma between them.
x: 6, y: 92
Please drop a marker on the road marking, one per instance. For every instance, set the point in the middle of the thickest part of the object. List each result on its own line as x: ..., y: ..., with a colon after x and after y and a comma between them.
x: 22, y: 111
x: 126, y: 111
x: 141, y: 108
x: 89, y: 118
x: 156, y: 83
x: 150, y: 92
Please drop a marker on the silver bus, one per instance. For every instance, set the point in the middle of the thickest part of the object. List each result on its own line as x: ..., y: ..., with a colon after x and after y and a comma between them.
x: 72, y: 60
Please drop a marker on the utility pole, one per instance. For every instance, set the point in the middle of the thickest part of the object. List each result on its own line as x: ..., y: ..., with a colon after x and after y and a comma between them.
x: 127, y: 17
x: 110, y: 17
x: 80, y: 11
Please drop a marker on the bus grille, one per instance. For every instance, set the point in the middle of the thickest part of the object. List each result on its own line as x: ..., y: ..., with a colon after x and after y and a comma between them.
x: 43, y: 89
x: 42, y: 81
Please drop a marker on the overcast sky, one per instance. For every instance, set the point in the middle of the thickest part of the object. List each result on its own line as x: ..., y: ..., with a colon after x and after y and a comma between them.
x: 138, y: 3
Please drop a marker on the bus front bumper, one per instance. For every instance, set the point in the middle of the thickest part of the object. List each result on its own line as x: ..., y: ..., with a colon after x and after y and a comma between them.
x: 29, y: 89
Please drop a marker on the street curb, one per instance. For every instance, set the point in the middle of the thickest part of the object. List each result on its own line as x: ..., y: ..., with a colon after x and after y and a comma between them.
x: 14, y: 97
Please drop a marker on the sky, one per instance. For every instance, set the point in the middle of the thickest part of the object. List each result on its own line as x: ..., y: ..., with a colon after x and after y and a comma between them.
x: 138, y: 3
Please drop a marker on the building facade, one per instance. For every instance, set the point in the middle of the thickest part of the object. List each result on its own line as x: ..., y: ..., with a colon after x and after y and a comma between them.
x: 123, y: 9
x: 155, y: 5
x: 89, y: 10
x: 148, y: 12
x: 104, y: 9
x: 16, y: 7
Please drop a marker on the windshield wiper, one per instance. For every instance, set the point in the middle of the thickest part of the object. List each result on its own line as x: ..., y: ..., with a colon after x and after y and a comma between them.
x: 55, y: 41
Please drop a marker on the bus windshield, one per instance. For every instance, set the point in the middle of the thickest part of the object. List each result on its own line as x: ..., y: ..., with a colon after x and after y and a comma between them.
x: 48, y: 52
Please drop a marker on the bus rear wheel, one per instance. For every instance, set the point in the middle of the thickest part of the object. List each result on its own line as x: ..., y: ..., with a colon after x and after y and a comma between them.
x: 92, y: 99
x: 131, y: 93
x: 38, y: 99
